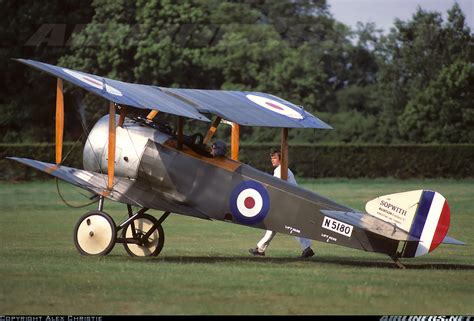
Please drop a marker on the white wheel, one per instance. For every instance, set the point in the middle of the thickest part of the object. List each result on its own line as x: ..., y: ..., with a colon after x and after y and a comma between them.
x: 95, y: 234
x: 150, y: 247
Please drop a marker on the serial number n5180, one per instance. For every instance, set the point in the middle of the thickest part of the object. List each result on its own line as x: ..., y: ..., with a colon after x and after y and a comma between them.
x: 337, y: 226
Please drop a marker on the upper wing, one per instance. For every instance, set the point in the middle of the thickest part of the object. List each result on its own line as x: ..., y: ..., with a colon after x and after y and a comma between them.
x: 244, y: 108
x: 249, y: 108
x: 140, y: 96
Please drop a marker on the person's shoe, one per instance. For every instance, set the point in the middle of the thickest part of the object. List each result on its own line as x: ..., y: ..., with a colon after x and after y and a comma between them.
x: 256, y: 252
x: 308, y: 252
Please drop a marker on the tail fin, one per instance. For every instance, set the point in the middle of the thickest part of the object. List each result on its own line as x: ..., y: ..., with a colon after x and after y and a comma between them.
x: 423, y: 214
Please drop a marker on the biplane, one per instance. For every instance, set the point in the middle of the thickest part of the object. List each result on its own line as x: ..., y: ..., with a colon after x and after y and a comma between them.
x: 145, y: 165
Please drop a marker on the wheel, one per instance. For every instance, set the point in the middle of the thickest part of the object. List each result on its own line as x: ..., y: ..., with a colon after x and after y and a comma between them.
x: 95, y: 234
x: 155, y: 242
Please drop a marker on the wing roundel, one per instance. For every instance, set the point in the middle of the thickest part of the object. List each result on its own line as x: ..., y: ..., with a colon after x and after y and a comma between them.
x: 244, y: 108
x: 123, y: 93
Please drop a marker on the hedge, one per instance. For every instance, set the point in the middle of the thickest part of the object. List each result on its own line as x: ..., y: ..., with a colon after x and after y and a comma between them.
x: 336, y: 160
x: 371, y: 161
x: 12, y: 170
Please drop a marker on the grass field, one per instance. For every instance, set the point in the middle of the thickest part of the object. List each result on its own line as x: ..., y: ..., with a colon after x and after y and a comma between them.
x: 205, y: 268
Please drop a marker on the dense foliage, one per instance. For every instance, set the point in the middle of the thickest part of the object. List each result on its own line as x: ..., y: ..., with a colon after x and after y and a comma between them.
x: 413, y: 84
x: 306, y: 160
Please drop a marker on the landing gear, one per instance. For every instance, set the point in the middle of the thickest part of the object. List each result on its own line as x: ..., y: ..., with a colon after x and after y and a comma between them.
x: 143, y: 236
x: 95, y: 233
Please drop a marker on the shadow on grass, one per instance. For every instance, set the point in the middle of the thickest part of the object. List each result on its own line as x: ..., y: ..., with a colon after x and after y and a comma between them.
x: 317, y: 261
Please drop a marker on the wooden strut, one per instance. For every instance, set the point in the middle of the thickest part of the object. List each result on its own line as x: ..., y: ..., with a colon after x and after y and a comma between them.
x: 111, y: 151
x: 234, y: 154
x: 234, y: 140
x: 284, y: 154
x: 180, y: 132
x: 59, y: 120
x: 123, y: 113
x: 212, y: 130
x: 152, y: 114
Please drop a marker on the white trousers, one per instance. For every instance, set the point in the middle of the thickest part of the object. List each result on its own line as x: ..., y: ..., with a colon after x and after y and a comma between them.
x: 267, y: 238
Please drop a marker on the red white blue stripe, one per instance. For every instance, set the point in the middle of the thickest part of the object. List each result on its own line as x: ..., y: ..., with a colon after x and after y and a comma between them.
x: 431, y: 222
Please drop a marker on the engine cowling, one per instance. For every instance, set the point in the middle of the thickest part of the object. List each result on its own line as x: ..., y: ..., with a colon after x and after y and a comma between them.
x: 130, y: 144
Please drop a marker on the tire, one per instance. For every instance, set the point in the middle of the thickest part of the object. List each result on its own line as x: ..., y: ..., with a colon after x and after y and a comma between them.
x: 95, y: 234
x: 142, y: 225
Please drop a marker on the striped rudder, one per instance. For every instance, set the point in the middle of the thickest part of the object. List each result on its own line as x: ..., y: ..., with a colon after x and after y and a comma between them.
x: 431, y: 224
x: 423, y: 214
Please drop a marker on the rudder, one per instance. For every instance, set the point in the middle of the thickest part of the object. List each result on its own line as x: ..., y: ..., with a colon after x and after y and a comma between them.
x: 424, y: 214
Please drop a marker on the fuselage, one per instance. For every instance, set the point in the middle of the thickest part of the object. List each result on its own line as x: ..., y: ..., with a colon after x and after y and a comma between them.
x: 183, y: 181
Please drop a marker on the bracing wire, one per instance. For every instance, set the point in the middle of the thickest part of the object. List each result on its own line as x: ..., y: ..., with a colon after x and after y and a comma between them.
x: 69, y: 204
x: 84, y: 130
x: 96, y: 158
x: 57, y: 184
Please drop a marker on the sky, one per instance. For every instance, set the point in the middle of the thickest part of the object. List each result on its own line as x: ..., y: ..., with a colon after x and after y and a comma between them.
x: 384, y: 12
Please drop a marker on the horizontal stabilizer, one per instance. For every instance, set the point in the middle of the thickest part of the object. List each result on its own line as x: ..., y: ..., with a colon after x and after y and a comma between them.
x: 450, y: 240
x: 372, y: 224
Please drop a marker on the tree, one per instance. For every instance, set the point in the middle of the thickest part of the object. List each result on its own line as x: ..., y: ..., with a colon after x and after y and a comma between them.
x: 444, y: 111
x: 39, y: 31
x: 411, y: 59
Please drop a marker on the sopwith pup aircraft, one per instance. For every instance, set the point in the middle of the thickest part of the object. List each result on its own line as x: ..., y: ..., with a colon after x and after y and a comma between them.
x: 144, y: 164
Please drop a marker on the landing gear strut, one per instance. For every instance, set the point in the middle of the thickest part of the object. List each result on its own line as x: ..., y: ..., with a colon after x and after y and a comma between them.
x: 142, y: 234
x: 95, y: 233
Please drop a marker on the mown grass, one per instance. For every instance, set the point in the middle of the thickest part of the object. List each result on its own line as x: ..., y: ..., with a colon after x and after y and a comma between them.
x: 205, y: 268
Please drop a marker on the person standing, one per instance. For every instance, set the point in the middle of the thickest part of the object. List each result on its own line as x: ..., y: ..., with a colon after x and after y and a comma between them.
x: 267, y: 238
